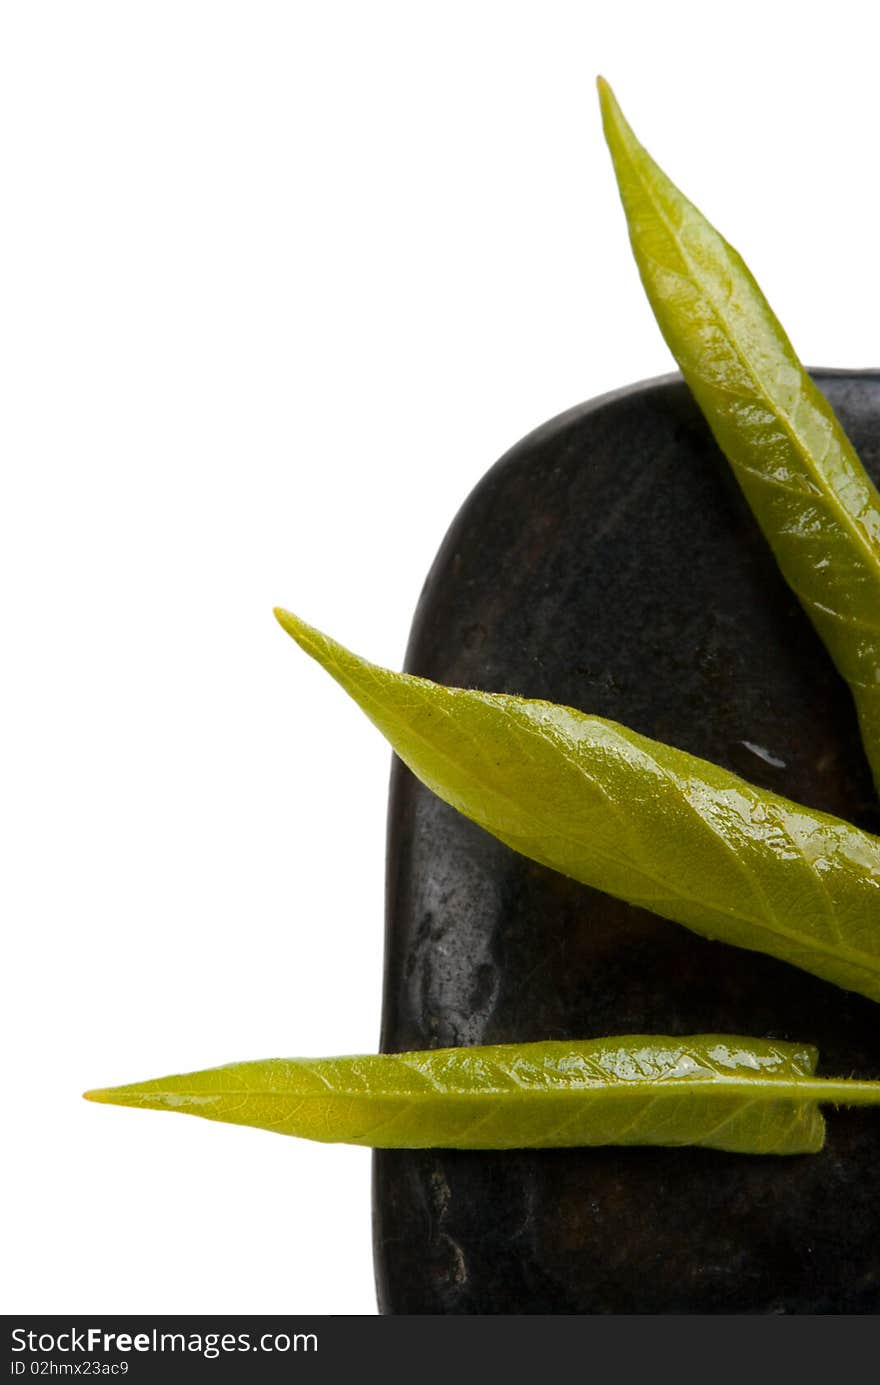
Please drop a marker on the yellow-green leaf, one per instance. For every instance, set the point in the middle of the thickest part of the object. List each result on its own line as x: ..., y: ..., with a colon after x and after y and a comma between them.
x: 633, y: 817
x: 755, y: 1096
x: 812, y: 497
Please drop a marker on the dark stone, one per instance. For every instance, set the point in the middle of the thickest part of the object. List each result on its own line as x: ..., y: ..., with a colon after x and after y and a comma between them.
x: 610, y: 562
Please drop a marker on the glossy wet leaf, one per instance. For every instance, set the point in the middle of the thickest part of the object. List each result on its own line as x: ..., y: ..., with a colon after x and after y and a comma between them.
x: 751, y: 1095
x: 633, y: 817
x: 815, y: 503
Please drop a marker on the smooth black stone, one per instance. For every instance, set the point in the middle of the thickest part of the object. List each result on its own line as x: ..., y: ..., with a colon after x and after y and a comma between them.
x: 610, y: 562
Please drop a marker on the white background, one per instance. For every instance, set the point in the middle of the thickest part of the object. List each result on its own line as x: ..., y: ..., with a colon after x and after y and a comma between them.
x: 280, y: 281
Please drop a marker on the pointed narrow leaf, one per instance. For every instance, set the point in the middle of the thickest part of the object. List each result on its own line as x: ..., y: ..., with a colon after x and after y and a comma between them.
x: 633, y: 817
x: 810, y: 493
x: 755, y: 1096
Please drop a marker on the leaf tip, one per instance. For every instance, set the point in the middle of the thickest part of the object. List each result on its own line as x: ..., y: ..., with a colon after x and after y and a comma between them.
x: 105, y: 1095
x: 283, y: 617
x: 295, y: 628
x: 607, y: 99
x: 320, y: 647
x: 613, y: 119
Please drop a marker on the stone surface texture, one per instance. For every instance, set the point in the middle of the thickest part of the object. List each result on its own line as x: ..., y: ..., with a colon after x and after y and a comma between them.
x: 609, y: 562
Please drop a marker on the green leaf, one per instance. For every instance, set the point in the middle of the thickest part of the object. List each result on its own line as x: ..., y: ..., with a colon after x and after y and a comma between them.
x: 814, y: 501
x: 754, y: 1096
x: 633, y: 817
